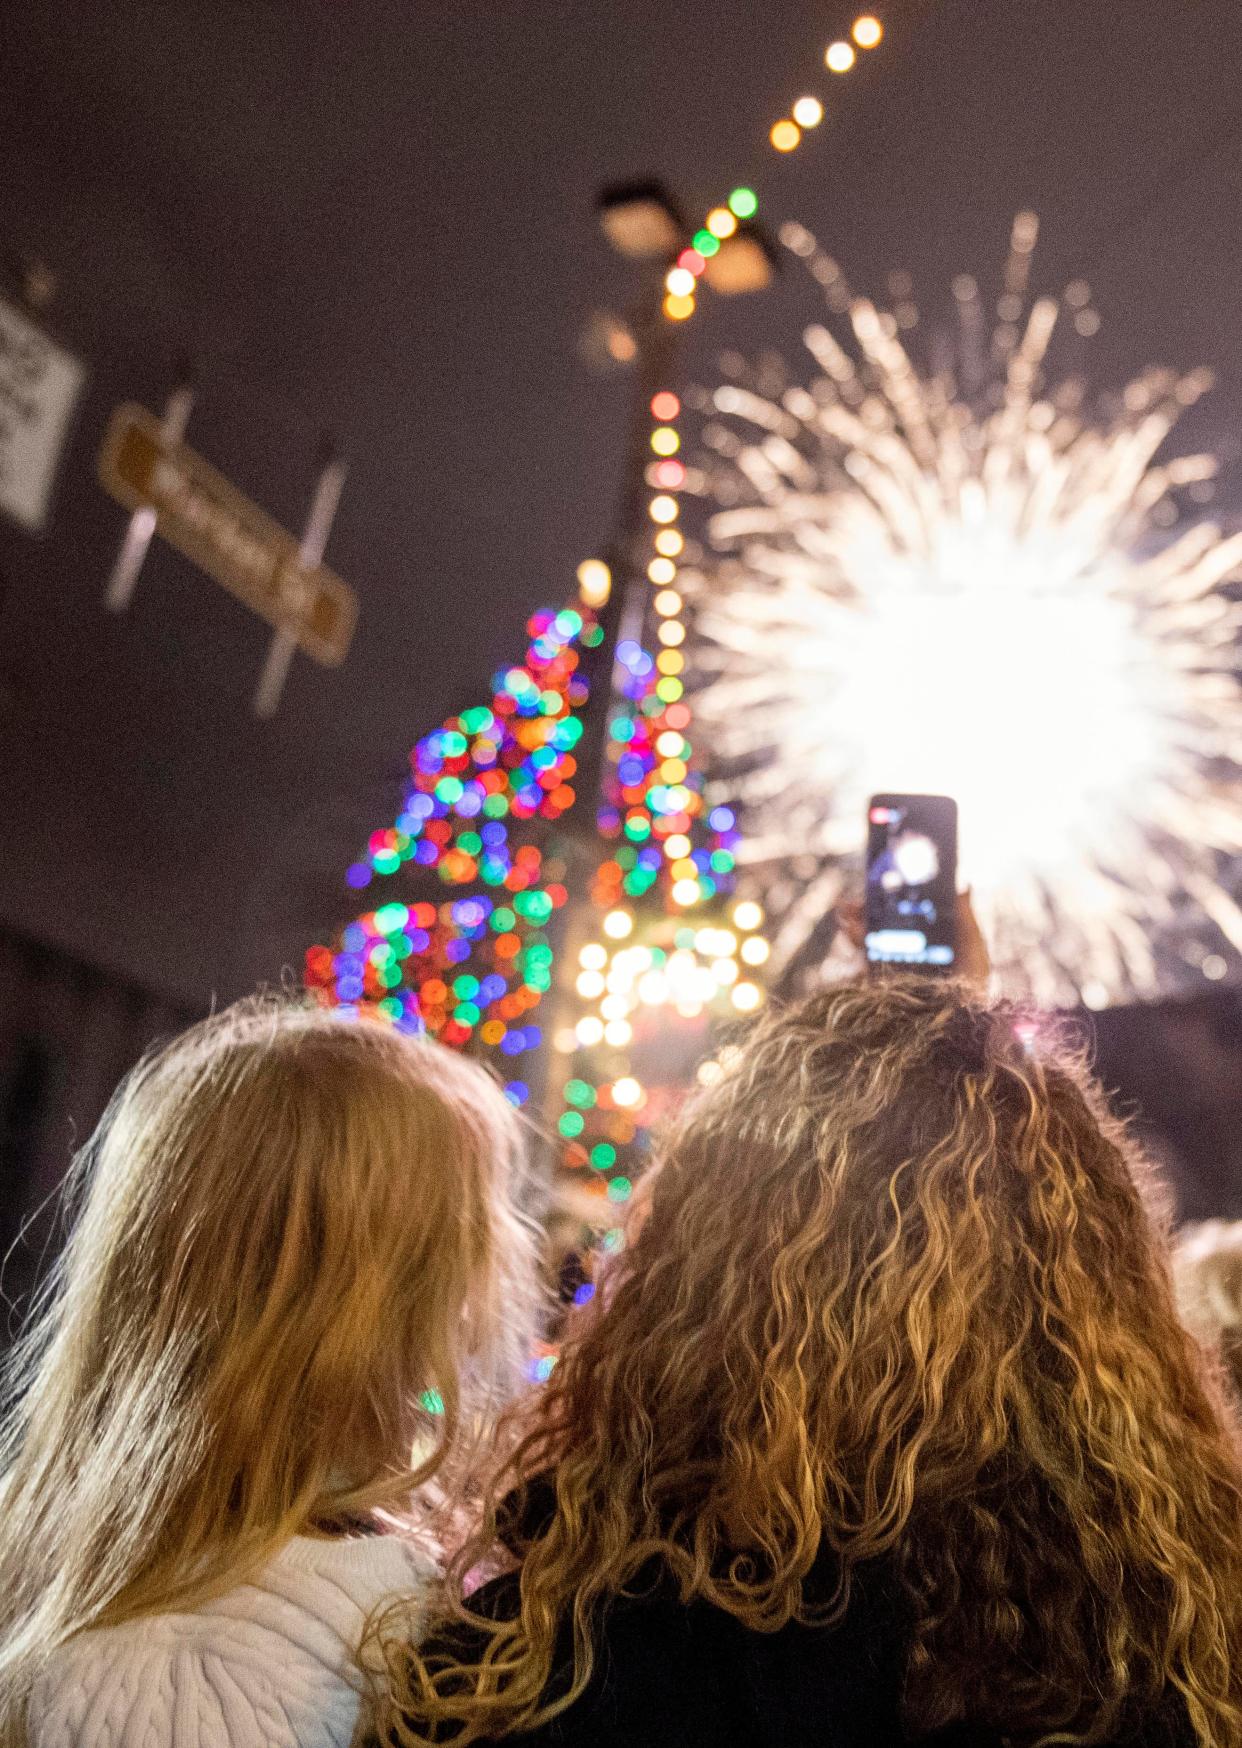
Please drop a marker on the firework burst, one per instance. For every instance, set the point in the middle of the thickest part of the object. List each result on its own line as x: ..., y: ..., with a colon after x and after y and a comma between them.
x: 955, y: 578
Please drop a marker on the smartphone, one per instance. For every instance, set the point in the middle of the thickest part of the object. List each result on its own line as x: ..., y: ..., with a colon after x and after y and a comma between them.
x: 911, y: 892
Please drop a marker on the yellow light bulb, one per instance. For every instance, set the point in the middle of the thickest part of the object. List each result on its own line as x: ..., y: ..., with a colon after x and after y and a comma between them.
x: 678, y: 308
x: 594, y: 582
x: 808, y: 112
x: 663, y: 509
x: 721, y: 222
x: 669, y: 542
x: 785, y: 135
x: 673, y: 771
x: 839, y: 57
x: 684, y: 869
x: 670, y: 661
x: 867, y: 31
x: 665, y: 441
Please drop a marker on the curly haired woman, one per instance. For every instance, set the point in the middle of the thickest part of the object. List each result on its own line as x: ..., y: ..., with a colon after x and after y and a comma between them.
x: 887, y: 1429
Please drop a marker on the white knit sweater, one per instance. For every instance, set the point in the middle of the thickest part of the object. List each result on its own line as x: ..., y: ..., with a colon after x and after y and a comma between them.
x: 269, y: 1664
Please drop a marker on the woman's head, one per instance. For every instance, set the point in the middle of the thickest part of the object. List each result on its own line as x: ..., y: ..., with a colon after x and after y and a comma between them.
x: 897, y: 1296
x: 298, y: 1233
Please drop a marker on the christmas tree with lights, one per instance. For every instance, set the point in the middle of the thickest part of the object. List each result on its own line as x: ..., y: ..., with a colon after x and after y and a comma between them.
x: 554, y: 849
x: 471, y: 890
x: 472, y: 963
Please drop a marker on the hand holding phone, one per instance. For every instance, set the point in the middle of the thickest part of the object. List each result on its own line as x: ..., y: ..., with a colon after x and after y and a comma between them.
x: 910, y: 905
x: 973, y: 963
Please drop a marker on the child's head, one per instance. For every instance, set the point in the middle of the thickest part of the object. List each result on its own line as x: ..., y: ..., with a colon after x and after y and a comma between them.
x: 300, y: 1269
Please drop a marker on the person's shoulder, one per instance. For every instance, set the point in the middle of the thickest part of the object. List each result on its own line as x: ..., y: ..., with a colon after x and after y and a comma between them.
x: 270, y: 1663
x: 336, y: 1581
x: 189, y: 1681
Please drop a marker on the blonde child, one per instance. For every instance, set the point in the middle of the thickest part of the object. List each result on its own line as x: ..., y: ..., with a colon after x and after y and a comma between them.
x: 299, y: 1279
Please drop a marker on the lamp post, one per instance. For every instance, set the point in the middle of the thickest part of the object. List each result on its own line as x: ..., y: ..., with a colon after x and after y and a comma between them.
x: 642, y: 224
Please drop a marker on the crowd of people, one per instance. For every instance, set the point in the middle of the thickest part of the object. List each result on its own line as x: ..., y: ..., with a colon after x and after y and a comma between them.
x: 885, y: 1424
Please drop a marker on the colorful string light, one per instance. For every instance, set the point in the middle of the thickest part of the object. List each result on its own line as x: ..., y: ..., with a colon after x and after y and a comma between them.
x: 785, y: 135
x: 664, y: 950
x: 478, y: 817
x: 648, y: 957
x: 471, y: 963
x: 470, y: 968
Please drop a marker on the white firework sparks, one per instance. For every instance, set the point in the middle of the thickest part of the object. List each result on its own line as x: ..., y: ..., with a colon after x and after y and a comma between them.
x: 961, y: 581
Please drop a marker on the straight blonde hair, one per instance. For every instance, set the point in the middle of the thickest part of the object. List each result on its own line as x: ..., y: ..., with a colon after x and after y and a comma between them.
x: 300, y: 1279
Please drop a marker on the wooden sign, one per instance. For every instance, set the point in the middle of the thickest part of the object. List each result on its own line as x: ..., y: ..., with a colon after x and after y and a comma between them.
x: 205, y: 517
x: 39, y: 387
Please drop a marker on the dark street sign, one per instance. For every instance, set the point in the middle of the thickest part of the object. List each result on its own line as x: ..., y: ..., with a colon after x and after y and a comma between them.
x: 208, y: 520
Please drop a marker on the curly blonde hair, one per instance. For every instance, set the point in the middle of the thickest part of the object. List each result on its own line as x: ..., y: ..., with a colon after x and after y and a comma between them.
x: 897, y: 1297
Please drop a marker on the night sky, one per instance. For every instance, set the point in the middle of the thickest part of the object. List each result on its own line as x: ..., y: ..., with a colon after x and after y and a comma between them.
x: 377, y: 220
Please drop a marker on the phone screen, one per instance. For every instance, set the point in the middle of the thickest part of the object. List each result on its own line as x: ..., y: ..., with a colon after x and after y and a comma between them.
x: 911, y: 881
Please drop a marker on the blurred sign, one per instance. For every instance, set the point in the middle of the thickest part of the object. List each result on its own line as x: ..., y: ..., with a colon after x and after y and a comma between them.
x: 203, y: 516
x: 39, y: 386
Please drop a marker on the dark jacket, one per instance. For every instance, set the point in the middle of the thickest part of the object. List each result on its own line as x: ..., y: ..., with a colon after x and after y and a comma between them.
x: 670, y: 1675
x: 688, y: 1675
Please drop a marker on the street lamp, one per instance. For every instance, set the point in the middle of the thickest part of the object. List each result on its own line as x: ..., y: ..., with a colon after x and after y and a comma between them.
x: 640, y: 220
